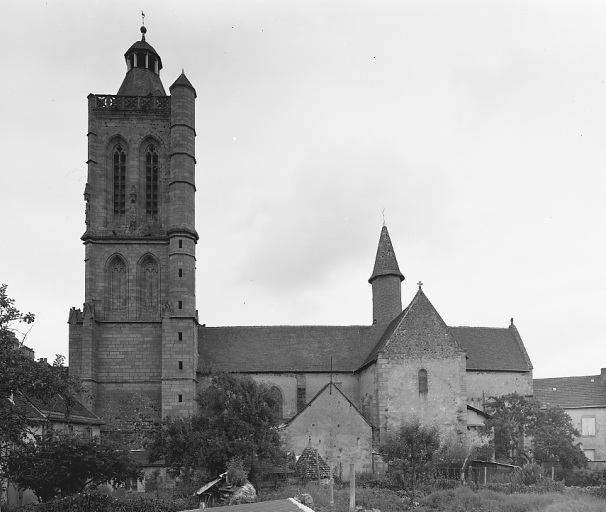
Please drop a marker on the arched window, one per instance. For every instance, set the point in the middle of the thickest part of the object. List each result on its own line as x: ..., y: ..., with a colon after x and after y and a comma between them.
x: 119, y: 167
x: 423, y: 387
x: 151, y: 181
x: 117, y: 283
x: 148, y: 286
x: 276, y: 394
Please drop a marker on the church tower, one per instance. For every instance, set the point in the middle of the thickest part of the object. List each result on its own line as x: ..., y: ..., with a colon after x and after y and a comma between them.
x: 386, y: 282
x: 138, y: 332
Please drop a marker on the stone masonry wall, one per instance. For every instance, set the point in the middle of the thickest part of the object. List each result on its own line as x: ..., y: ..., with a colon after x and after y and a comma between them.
x: 336, y: 430
x: 444, y: 405
x: 481, y: 385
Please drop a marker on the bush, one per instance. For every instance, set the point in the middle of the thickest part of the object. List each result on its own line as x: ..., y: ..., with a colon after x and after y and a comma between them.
x: 102, y: 503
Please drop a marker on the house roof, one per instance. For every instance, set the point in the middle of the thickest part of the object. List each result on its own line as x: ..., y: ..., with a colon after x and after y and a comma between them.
x: 385, y: 261
x: 571, y: 392
x: 285, y: 348
x: 492, y: 348
x: 56, y: 409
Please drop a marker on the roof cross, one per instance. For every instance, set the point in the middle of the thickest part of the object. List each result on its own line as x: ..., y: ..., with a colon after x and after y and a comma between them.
x: 420, y: 284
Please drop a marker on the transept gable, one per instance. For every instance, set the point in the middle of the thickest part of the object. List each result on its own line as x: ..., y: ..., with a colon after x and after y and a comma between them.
x: 421, y: 332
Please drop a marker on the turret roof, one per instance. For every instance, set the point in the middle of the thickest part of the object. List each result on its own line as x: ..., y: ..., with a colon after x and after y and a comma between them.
x: 385, y: 261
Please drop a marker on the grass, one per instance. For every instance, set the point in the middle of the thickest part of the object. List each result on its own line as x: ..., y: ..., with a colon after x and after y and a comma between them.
x: 461, y: 499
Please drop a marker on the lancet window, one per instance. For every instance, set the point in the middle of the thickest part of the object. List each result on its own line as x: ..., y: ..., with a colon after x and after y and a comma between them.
x: 149, y: 284
x: 423, y: 386
x: 276, y: 394
x: 151, y: 181
x: 117, y: 280
x: 119, y: 168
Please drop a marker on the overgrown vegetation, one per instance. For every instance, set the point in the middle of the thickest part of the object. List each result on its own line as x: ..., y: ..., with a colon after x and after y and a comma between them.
x: 235, y: 419
x: 515, y: 418
x: 20, y: 374
x: 61, y: 464
x: 409, y: 450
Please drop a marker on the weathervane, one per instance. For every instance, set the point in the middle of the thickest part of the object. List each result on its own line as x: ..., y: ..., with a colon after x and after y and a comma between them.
x: 143, y: 18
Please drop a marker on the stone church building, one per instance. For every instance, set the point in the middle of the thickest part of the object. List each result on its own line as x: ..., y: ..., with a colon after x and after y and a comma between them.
x: 139, y: 333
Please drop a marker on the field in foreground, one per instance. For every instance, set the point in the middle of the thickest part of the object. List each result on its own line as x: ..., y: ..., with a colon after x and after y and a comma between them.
x: 462, y: 499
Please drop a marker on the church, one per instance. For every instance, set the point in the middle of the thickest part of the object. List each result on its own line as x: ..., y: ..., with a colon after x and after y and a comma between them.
x: 138, y: 334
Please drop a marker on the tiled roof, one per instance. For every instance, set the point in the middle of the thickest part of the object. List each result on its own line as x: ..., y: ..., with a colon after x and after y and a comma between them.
x: 571, y: 392
x: 285, y: 348
x: 490, y: 348
x: 56, y: 410
x: 287, y: 505
x: 385, y: 261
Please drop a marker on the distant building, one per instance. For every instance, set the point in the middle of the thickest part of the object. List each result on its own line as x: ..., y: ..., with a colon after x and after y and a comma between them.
x: 138, y: 333
x: 42, y: 415
x: 584, y: 400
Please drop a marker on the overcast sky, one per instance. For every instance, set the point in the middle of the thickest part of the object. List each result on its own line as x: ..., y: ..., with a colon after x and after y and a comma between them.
x: 479, y: 127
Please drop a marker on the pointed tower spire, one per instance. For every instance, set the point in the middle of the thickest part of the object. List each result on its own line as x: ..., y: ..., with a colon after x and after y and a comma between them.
x: 386, y: 282
x: 385, y: 261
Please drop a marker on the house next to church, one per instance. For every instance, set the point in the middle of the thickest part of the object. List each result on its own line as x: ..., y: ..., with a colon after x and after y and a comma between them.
x: 139, y: 334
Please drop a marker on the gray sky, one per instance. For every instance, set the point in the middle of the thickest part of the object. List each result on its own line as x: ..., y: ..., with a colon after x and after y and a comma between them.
x: 479, y: 127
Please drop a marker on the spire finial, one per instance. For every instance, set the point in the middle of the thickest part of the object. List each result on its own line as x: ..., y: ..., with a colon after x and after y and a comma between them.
x: 420, y: 283
x: 143, y: 29
x: 383, y: 217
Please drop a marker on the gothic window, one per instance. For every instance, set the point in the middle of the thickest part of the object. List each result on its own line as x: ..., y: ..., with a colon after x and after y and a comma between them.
x: 276, y: 394
x: 151, y: 181
x: 119, y: 167
x: 117, y: 280
x: 148, y: 284
x: 423, y: 387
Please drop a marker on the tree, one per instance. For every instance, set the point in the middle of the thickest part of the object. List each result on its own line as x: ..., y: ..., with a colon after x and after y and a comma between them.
x: 236, y: 418
x: 554, y: 439
x: 409, y: 450
x: 515, y: 418
x: 19, y: 373
x: 60, y: 463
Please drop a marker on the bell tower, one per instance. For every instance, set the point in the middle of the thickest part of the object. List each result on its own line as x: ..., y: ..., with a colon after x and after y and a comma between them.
x: 138, y: 331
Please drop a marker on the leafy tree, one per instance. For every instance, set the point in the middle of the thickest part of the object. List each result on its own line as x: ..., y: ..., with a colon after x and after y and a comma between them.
x: 409, y: 451
x: 20, y: 373
x: 235, y: 418
x: 554, y: 439
x: 550, y: 431
x: 60, y: 463
x: 513, y: 417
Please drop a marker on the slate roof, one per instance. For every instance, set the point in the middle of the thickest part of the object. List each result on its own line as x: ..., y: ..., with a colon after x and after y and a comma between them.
x: 571, y: 392
x: 385, y: 261
x: 491, y: 348
x: 285, y: 348
x: 183, y: 80
x: 309, y: 348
